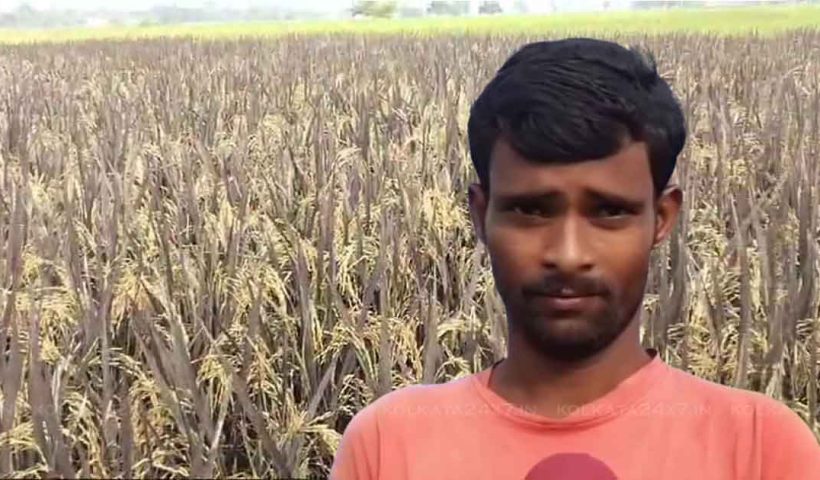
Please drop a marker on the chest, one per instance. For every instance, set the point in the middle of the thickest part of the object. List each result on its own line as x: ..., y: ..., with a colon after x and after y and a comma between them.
x: 656, y: 451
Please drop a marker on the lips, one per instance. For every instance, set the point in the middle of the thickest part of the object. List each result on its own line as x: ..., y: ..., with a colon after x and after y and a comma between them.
x: 566, y: 300
x: 560, y: 295
x: 562, y: 302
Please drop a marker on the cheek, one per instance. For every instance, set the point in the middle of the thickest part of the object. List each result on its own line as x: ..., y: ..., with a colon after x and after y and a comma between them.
x: 625, y: 256
x: 511, y: 253
x: 511, y: 245
x: 629, y: 263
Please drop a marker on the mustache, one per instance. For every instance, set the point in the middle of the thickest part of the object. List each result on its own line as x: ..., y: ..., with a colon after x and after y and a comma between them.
x: 554, y: 285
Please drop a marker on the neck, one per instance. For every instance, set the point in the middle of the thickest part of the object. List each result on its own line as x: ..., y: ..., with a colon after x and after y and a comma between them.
x: 550, y: 387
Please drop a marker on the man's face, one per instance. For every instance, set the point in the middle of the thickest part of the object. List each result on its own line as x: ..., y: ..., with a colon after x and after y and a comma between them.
x: 570, y: 245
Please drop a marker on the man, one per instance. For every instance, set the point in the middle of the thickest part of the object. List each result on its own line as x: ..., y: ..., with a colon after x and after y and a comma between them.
x: 574, y: 143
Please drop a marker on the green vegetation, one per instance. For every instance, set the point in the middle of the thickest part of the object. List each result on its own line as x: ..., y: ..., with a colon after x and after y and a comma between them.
x: 737, y: 21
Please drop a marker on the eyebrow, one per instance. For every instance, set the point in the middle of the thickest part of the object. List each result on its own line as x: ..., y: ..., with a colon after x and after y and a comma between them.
x: 553, y: 195
x: 631, y: 203
x: 512, y: 198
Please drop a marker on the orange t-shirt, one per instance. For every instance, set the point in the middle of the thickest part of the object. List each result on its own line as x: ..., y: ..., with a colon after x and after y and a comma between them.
x: 660, y: 423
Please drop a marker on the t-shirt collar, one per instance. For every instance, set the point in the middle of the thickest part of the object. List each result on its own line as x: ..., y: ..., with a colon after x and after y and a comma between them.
x: 630, y: 395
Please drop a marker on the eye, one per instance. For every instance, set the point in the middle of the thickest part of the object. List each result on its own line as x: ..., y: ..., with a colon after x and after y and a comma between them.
x: 611, y: 211
x: 529, y: 210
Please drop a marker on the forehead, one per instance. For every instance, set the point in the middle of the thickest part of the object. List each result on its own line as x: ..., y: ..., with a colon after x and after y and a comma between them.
x: 627, y: 172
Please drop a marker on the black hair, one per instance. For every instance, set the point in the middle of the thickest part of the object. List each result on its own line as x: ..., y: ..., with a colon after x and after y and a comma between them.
x: 566, y: 101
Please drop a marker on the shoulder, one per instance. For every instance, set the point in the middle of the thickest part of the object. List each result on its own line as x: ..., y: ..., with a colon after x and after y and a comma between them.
x: 782, y: 432
x: 728, y: 399
x: 363, y: 447
x: 410, y: 403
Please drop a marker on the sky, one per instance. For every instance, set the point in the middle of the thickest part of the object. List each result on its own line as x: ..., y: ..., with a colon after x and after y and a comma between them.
x: 133, y: 5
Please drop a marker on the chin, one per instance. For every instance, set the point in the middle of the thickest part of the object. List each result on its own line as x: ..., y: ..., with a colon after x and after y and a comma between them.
x: 570, y: 351
x: 568, y: 325
x: 570, y: 343
x: 570, y: 338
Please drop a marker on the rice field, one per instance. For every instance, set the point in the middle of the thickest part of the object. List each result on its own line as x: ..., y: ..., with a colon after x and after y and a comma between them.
x: 765, y: 21
x: 215, y: 252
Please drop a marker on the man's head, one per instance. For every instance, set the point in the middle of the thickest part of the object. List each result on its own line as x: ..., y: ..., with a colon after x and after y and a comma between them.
x: 574, y: 143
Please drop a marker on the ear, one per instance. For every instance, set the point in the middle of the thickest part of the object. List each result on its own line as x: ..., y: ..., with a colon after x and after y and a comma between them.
x: 667, y: 210
x: 478, y: 198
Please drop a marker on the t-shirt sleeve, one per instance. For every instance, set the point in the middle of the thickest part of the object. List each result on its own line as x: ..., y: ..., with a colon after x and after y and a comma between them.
x: 357, y: 457
x: 791, y: 449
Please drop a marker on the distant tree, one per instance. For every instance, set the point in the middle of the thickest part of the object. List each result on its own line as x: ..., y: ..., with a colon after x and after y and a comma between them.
x: 375, y: 8
x: 25, y: 15
x: 520, y: 6
x: 26, y: 10
x: 454, y: 7
x: 410, y: 12
x: 490, y: 7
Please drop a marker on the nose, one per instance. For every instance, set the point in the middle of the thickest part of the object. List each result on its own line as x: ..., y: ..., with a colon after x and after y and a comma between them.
x: 568, y: 247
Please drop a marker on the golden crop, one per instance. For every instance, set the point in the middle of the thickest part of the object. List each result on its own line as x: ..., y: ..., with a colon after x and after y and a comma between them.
x: 214, y: 253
